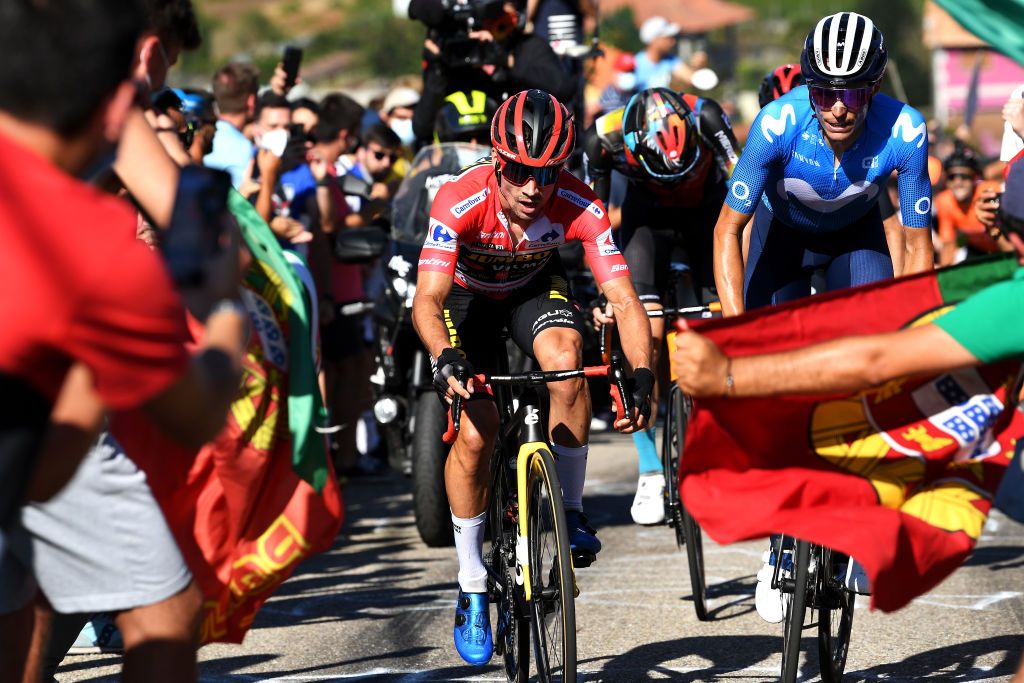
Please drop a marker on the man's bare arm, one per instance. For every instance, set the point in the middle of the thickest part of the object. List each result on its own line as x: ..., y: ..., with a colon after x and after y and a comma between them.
x: 634, y: 324
x: 729, y: 259
x: 146, y: 170
x: 847, y: 364
x: 432, y: 289
x: 920, y: 255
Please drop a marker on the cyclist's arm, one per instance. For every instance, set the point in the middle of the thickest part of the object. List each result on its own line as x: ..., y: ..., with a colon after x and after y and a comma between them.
x: 432, y: 288
x: 716, y: 130
x: 634, y: 325
x: 764, y: 148
x: 728, y: 254
x: 846, y: 364
x: 915, y: 199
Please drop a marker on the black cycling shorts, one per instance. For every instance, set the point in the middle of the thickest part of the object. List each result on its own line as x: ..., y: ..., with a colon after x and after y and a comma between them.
x: 657, y: 240
x: 475, y: 321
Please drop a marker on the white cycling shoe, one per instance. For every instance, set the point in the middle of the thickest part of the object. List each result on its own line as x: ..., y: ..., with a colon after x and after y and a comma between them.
x: 856, y: 578
x: 768, y: 601
x: 649, y: 503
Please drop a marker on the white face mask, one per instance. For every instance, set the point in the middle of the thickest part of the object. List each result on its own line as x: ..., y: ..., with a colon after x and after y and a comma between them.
x: 403, y: 129
x: 626, y: 81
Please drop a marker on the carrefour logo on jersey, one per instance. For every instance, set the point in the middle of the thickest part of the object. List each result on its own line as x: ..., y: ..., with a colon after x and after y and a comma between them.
x: 472, y: 201
x: 582, y: 202
x: 440, y: 236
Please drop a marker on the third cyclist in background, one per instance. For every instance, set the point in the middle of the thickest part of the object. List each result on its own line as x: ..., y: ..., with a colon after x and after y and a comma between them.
x: 677, y: 152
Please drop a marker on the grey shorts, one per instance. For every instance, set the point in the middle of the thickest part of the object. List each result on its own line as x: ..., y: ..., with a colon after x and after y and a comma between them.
x: 100, y: 545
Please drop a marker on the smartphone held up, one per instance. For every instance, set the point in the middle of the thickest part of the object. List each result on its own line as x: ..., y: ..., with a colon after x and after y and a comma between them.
x: 199, y: 225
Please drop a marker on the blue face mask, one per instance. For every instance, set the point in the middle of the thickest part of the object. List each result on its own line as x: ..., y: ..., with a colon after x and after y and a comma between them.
x: 403, y: 129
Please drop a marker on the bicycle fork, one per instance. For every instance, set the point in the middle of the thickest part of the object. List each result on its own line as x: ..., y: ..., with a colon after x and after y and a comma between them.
x: 522, y: 544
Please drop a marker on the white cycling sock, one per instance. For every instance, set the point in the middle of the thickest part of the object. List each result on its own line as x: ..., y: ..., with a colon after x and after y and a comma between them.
x: 469, y: 544
x: 571, y: 464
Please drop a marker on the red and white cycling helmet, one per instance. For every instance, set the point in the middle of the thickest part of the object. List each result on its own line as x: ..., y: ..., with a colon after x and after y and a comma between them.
x: 533, y: 134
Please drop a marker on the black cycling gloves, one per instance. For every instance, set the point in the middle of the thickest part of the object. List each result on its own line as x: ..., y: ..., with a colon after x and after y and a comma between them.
x: 447, y: 363
x: 643, y: 385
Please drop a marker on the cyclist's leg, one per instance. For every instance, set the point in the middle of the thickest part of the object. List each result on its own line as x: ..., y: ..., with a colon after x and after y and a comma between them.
x: 775, y: 271
x: 471, y: 322
x: 547, y: 324
x: 647, y: 254
x: 862, y: 255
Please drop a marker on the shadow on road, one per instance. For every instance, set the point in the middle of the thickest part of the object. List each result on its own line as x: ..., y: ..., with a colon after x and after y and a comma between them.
x: 952, y: 663
x: 997, y: 557
x: 727, y: 654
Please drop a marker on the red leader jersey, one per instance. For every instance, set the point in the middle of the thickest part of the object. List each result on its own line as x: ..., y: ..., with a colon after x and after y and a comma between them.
x: 469, y: 236
x: 79, y: 286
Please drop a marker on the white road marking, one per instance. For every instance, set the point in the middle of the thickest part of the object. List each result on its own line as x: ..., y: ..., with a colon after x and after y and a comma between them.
x: 973, y: 602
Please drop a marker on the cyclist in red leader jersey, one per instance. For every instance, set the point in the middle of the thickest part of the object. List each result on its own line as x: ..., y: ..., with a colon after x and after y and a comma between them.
x: 490, y: 260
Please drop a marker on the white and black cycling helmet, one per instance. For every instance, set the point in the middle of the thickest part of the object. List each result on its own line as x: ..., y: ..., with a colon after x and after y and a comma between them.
x: 844, y: 50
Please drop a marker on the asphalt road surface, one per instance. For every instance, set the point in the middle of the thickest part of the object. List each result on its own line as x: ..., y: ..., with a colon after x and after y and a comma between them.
x: 379, y: 607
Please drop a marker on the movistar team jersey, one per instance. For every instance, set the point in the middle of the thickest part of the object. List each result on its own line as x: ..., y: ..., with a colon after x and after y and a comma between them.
x: 983, y: 323
x: 788, y: 165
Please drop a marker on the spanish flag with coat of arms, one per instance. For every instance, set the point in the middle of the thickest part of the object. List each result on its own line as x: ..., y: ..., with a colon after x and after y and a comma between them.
x: 900, y: 476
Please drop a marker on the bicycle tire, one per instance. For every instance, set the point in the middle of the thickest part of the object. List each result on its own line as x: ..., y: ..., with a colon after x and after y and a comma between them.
x: 671, y: 443
x: 794, y: 619
x: 695, y: 561
x: 552, y: 603
x: 835, y: 618
x: 429, y: 497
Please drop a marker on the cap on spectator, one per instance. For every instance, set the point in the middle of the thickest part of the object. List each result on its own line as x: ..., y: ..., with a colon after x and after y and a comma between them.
x: 624, y: 62
x: 400, y: 97
x: 657, y: 27
x: 1012, y: 203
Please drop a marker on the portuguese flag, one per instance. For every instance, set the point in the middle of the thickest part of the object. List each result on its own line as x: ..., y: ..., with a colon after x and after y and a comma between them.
x: 261, y: 497
x: 900, y: 476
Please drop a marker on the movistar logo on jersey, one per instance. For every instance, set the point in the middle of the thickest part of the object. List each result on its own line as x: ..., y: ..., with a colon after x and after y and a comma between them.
x: 906, y: 129
x: 440, y: 236
x: 771, y: 125
x: 809, y: 197
x: 581, y: 202
x: 469, y: 203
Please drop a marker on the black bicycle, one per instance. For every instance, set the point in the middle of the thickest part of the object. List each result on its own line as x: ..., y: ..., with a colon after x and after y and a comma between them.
x: 814, y: 583
x: 530, y: 568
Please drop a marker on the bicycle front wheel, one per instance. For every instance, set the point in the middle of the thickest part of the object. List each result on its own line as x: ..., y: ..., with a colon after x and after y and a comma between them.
x: 671, y: 445
x: 695, y: 560
x: 552, y: 603
x: 796, y: 605
x: 835, y: 617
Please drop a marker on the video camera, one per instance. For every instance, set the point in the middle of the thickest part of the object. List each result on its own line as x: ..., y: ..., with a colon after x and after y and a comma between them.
x: 457, y: 48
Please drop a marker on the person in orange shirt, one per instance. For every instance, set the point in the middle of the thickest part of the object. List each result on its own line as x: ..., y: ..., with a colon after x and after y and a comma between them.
x: 954, y: 207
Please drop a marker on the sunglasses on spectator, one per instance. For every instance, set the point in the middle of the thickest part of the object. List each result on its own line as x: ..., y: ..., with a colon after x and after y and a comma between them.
x: 961, y: 176
x: 520, y: 174
x: 852, y: 98
x: 380, y: 155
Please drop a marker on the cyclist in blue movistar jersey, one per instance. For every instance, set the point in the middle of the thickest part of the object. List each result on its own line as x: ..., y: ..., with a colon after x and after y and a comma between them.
x: 811, y: 173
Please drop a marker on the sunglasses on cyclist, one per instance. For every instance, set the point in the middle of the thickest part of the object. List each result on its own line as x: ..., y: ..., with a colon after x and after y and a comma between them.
x: 520, y: 174
x: 380, y: 155
x: 852, y: 98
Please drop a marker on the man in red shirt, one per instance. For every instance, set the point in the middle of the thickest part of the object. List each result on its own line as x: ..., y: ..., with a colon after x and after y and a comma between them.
x: 81, y: 291
x: 490, y: 260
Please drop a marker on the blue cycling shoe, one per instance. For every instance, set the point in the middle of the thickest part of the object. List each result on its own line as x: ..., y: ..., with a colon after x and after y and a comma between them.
x: 583, y: 540
x: 473, y: 628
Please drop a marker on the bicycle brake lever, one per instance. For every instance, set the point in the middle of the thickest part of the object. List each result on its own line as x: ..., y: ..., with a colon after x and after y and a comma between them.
x: 455, y: 414
x: 619, y: 390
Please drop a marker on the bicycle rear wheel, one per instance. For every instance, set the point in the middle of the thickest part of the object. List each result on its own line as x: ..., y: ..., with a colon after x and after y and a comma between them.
x: 552, y: 604
x: 796, y: 607
x: 695, y: 560
x: 835, y: 617
x: 671, y: 444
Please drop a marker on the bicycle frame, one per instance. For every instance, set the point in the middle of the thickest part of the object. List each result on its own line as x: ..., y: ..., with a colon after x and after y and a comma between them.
x: 527, y: 421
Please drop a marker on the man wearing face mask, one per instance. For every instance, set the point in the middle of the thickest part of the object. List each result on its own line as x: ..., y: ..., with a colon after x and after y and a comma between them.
x: 397, y: 112
x: 515, y: 60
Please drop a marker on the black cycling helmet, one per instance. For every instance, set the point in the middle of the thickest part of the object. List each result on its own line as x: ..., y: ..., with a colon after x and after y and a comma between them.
x: 778, y: 82
x: 464, y: 116
x: 660, y: 133
x: 845, y: 50
x: 962, y: 157
x: 533, y: 128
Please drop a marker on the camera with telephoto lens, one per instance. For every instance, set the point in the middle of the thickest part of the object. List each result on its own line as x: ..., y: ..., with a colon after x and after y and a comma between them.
x: 457, y: 48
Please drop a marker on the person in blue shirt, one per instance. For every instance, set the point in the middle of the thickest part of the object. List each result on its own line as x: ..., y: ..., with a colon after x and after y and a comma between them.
x: 812, y: 171
x: 234, y: 89
x: 659, y: 62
